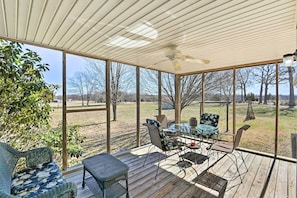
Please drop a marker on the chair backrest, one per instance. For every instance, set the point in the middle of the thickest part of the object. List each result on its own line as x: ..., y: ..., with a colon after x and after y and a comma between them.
x: 154, y: 122
x: 154, y: 135
x: 209, y: 119
x: 239, y: 134
x: 163, y: 120
x: 8, y: 160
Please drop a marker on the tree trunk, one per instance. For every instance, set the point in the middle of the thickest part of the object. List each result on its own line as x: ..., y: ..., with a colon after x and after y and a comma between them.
x: 244, y: 92
x: 114, y: 110
x: 82, y: 100
x: 88, y: 100
x: 291, y: 98
x: 265, y: 93
x: 261, y: 93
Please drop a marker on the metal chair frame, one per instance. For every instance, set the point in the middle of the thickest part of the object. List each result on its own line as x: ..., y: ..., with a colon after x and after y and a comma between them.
x: 228, y: 150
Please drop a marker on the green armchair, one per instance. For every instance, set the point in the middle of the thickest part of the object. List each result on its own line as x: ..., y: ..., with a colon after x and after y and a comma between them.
x: 41, y: 178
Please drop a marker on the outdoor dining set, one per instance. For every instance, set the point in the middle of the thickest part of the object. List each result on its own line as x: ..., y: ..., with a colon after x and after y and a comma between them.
x: 106, y: 170
x: 190, y: 135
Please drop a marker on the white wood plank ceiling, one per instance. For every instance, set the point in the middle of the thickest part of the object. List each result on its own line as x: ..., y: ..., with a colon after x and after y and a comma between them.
x: 137, y: 32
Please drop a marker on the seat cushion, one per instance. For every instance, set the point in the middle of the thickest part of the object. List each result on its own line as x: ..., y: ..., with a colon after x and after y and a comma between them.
x: 204, y: 129
x: 172, y: 144
x: 209, y: 119
x: 31, y: 182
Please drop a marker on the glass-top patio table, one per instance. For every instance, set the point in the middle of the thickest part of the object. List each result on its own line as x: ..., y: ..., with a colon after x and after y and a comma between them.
x: 193, y: 138
x: 186, y: 129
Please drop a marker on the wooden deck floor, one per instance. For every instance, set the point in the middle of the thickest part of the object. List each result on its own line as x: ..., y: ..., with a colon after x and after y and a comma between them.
x: 266, y: 177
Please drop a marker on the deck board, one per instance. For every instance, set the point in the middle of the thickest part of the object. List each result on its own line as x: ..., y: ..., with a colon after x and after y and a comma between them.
x: 281, y: 184
x: 234, y: 186
x: 272, y: 181
x: 260, y: 178
x: 292, y: 175
x: 173, y: 182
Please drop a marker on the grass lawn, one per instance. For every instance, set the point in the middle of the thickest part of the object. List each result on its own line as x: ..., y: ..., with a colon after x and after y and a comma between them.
x: 260, y: 136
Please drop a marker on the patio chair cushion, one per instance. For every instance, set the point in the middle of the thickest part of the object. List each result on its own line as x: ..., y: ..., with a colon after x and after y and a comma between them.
x: 41, y: 177
x: 172, y: 144
x: 32, y: 182
x: 209, y: 119
x: 207, y: 130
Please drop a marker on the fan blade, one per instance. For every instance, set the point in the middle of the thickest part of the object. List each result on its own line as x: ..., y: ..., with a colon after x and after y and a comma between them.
x: 176, y: 65
x: 194, y: 60
x: 150, y: 66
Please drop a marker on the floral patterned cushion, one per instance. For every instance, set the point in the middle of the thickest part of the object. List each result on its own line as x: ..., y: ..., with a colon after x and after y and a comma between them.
x: 172, y: 144
x: 207, y: 130
x: 32, y: 182
x: 209, y: 119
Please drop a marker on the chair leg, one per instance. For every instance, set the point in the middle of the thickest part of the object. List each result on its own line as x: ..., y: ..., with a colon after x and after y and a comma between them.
x: 148, y: 153
x: 159, y: 161
x: 243, y: 161
x: 236, y: 164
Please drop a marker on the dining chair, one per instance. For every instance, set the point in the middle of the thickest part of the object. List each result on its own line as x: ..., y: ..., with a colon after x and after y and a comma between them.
x: 161, y: 141
x: 229, y: 149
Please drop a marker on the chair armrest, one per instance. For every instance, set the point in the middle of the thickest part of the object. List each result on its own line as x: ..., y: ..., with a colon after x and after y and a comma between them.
x: 38, y: 156
x: 67, y: 190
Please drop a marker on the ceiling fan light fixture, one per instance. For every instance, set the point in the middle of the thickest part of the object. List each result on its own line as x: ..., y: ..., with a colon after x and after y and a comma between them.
x: 288, y: 60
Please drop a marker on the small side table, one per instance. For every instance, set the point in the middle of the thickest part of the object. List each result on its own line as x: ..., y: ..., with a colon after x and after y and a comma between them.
x: 213, y: 182
x: 107, y: 171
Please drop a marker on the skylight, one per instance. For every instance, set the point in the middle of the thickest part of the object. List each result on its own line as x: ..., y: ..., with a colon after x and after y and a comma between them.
x: 145, y: 30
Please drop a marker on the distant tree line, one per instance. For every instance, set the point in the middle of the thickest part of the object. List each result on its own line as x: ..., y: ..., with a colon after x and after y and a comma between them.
x: 100, y: 97
x: 89, y: 85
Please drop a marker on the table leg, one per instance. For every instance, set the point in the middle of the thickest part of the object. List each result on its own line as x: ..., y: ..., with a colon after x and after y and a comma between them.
x: 127, y: 194
x: 104, y: 193
x: 84, y: 174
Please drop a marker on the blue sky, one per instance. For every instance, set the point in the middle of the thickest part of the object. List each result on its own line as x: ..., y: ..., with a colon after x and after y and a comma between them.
x: 76, y: 63
x: 54, y: 59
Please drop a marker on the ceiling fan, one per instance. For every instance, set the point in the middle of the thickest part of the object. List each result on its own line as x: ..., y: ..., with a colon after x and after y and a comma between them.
x: 174, y: 55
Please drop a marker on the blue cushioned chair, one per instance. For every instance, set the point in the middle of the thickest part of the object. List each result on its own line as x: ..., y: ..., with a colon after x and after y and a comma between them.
x: 41, y: 178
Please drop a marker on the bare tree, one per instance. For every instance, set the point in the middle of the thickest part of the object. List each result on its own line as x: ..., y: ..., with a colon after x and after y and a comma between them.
x: 97, y: 68
x: 84, y: 84
x: 225, y: 78
x: 90, y: 84
x: 191, y: 87
x: 120, y: 80
x: 77, y: 85
x: 291, y: 84
x: 243, y: 80
x: 266, y: 76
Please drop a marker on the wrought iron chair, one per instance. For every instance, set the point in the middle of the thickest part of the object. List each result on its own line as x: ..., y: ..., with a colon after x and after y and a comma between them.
x: 161, y: 141
x: 229, y: 149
